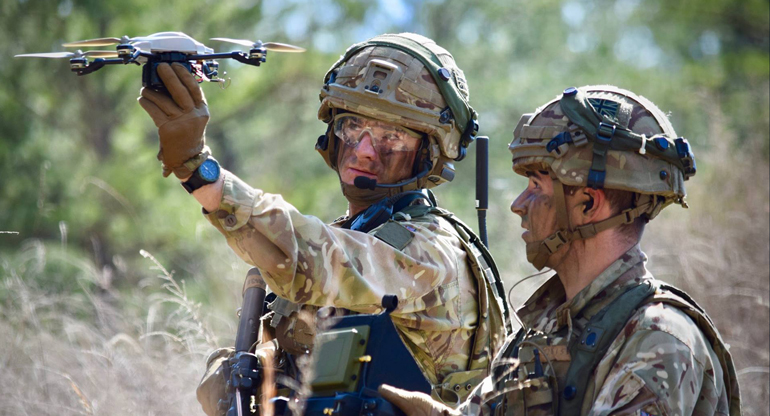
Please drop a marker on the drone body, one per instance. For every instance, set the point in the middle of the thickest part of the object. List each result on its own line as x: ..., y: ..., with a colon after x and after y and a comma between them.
x: 163, y: 47
x: 171, y: 42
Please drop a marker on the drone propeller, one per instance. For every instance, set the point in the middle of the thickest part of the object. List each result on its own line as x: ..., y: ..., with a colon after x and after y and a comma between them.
x: 78, y: 54
x: 99, y: 42
x: 270, y: 46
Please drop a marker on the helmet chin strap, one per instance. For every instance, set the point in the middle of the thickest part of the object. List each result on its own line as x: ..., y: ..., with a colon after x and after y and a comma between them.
x: 538, y: 252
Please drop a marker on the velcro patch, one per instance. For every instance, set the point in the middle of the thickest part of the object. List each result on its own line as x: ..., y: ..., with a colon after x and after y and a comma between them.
x: 394, y: 234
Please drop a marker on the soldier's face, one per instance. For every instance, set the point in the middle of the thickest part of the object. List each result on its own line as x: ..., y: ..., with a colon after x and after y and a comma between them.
x: 374, y: 149
x: 536, y: 208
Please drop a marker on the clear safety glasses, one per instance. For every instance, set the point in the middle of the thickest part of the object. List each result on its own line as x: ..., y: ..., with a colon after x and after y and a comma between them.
x: 385, y: 136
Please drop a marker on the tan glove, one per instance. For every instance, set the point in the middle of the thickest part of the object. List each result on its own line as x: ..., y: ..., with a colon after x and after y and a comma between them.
x: 181, y: 116
x: 212, y: 386
x: 415, y: 403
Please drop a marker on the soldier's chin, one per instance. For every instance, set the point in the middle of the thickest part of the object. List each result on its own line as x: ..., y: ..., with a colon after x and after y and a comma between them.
x: 349, y: 175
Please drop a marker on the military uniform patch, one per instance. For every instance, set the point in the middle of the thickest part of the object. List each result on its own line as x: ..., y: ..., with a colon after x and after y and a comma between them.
x: 394, y: 234
x: 607, y: 108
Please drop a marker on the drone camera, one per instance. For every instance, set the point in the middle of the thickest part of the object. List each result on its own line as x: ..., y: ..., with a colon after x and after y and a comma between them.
x: 210, y: 69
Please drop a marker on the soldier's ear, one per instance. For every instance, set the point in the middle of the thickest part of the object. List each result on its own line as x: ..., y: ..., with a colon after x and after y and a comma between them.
x: 594, y: 205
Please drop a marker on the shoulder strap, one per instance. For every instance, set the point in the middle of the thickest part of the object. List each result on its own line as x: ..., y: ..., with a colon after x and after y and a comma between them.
x: 413, y: 211
x: 483, y: 259
x: 676, y: 297
x: 606, y: 325
x: 599, y: 333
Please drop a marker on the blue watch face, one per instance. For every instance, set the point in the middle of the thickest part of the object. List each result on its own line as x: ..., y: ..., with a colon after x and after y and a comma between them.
x: 209, y: 171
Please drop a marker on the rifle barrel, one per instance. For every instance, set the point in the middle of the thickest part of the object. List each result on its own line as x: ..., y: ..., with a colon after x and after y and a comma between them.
x: 253, y: 299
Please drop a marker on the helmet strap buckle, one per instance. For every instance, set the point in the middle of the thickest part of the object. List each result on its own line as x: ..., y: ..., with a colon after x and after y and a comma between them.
x: 555, y: 241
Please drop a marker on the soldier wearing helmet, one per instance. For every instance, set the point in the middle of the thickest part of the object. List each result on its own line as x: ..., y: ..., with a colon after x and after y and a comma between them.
x: 397, y: 115
x: 602, y: 336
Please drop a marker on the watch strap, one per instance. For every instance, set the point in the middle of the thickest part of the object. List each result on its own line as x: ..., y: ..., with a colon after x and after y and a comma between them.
x: 196, y: 181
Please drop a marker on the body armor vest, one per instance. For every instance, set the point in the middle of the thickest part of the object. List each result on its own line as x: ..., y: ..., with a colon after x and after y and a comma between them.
x: 493, y: 308
x: 552, y: 375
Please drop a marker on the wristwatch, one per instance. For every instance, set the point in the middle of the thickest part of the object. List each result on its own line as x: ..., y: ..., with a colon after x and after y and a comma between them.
x: 207, y: 172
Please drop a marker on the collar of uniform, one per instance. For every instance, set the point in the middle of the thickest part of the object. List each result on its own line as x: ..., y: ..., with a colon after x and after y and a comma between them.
x: 538, y: 311
x: 625, y: 271
x: 547, y: 311
x: 340, y: 220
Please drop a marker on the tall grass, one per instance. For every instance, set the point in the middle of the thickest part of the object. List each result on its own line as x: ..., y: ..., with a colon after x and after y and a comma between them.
x: 95, y: 351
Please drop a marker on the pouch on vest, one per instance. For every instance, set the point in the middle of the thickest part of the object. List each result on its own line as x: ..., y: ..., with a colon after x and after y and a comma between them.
x: 532, y: 397
x: 456, y: 387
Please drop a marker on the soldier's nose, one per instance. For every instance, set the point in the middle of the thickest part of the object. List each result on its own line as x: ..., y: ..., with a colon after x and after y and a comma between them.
x: 518, y: 206
x: 365, y: 147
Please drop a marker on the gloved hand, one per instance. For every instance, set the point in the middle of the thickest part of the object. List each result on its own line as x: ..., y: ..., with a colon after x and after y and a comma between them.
x: 212, y: 386
x: 181, y: 116
x: 415, y: 403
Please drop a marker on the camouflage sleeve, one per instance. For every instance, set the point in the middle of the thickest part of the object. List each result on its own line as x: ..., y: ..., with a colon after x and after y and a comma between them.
x: 307, y: 261
x: 661, y: 365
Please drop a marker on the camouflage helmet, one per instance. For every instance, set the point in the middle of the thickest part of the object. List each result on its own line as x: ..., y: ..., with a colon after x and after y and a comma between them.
x: 408, y: 80
x: 603, y: 137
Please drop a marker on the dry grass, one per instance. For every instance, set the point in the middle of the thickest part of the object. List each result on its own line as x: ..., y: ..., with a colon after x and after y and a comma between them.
x: 78, y: 354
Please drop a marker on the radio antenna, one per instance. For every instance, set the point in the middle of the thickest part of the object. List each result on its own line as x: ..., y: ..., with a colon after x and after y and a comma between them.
x: 482, y: 185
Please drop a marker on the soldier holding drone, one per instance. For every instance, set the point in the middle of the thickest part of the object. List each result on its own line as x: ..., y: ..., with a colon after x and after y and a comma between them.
x: 397, y: 115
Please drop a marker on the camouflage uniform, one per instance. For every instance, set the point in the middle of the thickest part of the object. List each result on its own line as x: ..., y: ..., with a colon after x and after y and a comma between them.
x: 450, y: 314
x: 666, y: 358
x: 306, y: 261
x: 660, y: 364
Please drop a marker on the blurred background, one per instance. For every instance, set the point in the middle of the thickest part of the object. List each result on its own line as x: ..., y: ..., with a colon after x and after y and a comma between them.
x: 89, y: 325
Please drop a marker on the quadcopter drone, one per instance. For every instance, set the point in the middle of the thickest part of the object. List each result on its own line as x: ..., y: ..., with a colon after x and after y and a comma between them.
x: 163, y: 47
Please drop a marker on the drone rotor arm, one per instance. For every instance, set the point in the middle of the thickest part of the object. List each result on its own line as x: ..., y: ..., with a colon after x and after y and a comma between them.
x: 210, y: 56
x: 98, y: 64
